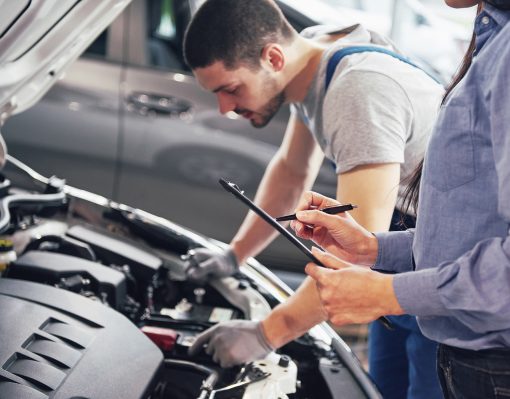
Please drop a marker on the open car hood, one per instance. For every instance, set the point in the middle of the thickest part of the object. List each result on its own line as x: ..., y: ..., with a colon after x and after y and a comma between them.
x: 39, y: 39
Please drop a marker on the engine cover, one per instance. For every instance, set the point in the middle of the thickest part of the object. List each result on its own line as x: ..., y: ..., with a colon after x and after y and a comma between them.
x: 57, y: 344
x: 49, y: 268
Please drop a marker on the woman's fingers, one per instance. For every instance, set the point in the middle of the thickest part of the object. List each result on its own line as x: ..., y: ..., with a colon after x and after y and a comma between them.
x: 301, y: 230
x: 313, y: 200
x: 307, y: 232
x: 318, y: 218
x: 329, y: 260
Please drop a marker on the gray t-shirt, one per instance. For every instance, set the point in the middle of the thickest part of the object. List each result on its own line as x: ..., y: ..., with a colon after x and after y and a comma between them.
x: 377, y: 108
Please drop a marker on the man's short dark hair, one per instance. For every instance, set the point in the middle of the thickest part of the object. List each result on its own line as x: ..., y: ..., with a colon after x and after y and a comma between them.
x: 234, y: 31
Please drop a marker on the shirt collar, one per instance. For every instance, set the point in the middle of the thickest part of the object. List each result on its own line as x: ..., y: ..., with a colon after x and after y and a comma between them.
x: 497, y: 17
x: 353, y: 33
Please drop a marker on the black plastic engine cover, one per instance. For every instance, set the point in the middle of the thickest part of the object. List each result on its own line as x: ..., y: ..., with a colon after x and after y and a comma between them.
x: 144, y: 265
x: 49, y: 268
x: 57, y: 344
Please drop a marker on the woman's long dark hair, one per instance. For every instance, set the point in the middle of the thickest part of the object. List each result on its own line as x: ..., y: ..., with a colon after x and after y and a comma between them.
x: 412, y: 191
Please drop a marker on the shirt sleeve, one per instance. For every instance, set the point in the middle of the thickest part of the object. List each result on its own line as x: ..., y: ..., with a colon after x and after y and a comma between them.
x: 395, y: 254
x: 474, y: 289
x: 368, y: 118
x: 296, y: 110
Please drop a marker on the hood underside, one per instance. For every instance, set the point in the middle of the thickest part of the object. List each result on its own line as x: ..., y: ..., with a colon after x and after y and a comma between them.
x: 39, y: 39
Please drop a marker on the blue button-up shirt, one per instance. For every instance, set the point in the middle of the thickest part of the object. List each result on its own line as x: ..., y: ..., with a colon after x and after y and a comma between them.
x: 460, y: 290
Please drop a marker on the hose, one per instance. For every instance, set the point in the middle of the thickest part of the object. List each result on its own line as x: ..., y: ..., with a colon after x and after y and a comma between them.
x: 207, y: 385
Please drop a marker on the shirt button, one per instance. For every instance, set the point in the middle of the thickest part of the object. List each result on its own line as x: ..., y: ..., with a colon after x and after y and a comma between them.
x: 485, y: 20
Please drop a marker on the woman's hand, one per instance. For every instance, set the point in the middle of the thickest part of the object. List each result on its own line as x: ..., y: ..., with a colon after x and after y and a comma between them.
x: 338, y: 234
x: 352, y: 294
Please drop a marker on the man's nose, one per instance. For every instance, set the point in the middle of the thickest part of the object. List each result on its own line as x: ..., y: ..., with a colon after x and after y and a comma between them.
x: 225, y: 103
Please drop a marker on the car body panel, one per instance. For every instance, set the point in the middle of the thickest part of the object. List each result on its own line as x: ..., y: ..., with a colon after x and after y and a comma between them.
x: 40, y: 39
x: 85, y: 132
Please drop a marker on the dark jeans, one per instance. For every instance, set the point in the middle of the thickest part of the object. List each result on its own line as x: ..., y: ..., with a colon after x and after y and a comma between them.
x: 466, y: 374
x: 402, y: 362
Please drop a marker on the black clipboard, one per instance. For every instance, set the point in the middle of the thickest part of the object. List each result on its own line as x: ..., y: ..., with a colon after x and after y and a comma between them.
x: 239, y: 194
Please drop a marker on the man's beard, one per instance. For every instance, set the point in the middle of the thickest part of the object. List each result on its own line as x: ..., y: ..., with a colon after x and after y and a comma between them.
x: 269, y: 111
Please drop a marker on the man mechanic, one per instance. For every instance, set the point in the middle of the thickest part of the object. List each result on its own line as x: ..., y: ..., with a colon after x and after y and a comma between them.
x: 372, y: 120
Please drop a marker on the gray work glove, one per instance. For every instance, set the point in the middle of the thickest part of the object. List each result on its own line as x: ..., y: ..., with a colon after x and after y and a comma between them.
x: 204, y: 264
x: 233, y: 342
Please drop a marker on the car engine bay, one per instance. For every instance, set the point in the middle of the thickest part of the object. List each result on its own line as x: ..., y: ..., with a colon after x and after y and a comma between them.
x: 94, y: 303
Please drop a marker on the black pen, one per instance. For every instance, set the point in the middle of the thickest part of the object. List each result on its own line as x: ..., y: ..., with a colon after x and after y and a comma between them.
x: 332, y: 210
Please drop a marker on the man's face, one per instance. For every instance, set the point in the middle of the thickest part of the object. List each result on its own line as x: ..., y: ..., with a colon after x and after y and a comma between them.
x: 253, y: 94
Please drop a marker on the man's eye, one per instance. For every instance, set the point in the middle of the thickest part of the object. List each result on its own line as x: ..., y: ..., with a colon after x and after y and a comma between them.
x: 233, y: 91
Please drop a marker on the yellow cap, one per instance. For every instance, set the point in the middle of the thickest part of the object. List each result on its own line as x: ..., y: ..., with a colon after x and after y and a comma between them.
x: 5, y: 245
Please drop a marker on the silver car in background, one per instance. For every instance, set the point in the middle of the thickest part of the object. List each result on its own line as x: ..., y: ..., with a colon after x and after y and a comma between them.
x: 129, y: 121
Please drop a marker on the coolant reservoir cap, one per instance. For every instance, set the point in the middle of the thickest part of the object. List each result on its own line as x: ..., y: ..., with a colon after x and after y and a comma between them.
x: 5, y: 245
x: 284, y: 361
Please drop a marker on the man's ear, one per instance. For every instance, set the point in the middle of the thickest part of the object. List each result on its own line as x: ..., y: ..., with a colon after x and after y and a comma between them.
x: 273, y: 57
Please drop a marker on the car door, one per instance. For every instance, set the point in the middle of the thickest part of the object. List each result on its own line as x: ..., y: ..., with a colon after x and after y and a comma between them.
x: 73, y: 131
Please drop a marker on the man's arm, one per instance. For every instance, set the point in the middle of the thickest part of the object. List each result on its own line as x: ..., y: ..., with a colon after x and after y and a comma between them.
x: 374, y: 189
x: 292, y: 170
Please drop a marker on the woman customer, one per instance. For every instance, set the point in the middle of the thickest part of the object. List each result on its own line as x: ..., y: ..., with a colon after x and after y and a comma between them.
x: 453, y: 271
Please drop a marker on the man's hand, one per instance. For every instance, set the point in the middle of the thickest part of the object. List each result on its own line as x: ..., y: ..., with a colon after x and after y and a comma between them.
x: 233, y: 342
x: 352, y: 294
x: 204, y: 264
x: 339, y: 234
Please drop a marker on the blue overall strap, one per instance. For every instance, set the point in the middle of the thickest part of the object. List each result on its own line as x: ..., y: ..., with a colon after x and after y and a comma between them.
x: 340, y: 54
